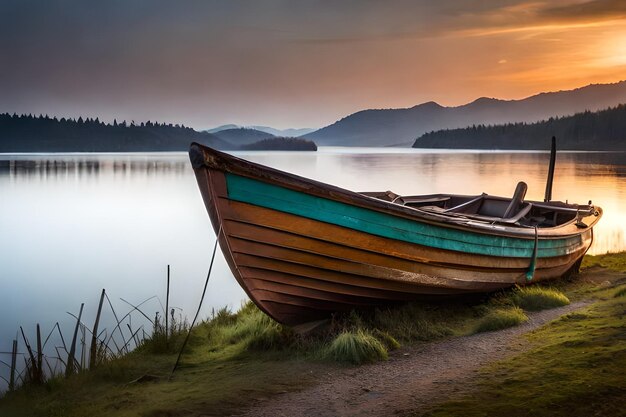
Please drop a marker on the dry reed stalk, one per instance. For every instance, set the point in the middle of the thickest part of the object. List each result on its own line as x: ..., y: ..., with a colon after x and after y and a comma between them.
x: 117, y: 327
x: 59, y: 357
x: 119, y: 322
x: 30, y: 366
x: 13, y: 361
x: 133, y: 337
x: 167, y: 305
x: 69, y: 370
x: 136, y: 307
x: 39, y: 354
x: 94, y: 339
x: 82, y: 346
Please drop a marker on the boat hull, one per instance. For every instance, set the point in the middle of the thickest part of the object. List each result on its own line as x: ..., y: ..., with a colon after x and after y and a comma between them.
x: 302, y: 252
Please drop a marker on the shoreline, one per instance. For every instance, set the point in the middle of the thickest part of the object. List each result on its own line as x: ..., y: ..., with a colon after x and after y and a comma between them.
x: 242, y: 374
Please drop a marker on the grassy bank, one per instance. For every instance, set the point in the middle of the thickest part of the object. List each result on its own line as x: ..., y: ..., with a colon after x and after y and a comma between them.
x: 576, y: 364
x: 575, y: 368
x: 237, y: 359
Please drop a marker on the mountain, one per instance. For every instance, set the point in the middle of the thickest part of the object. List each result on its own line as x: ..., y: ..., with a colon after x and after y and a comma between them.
x: 242, y: 136
x: 284, y: 132
x: 400, y: 127
x: 272, y: 131
x: 222, y: 127
x: 590, y: 131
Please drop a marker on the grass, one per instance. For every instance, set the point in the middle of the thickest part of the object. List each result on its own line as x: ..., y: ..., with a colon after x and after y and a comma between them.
x: 232, y: 361
x: 236, y: 359
x: 621, y: 292
x: 501, y: 318
x: 421, y: 322
x: 537, y: 298
x: 357, y: 347
x: 575, y: 368
x: 162, y: 340
x: 612, y: 261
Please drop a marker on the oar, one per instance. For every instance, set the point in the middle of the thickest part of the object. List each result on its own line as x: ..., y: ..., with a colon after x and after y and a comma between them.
x: 548, y: 195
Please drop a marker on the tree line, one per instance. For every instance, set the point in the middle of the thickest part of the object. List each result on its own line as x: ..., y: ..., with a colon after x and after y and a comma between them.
x: 29, y: 133
x: 592, y: 131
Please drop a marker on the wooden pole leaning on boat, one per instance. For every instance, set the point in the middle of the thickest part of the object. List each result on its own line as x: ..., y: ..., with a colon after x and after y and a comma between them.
x: 193, y: 322
x: 548, y: 195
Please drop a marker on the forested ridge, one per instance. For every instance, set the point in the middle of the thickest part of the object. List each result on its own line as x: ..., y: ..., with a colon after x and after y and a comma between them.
x: 28, y: 133
x: 592, y: 131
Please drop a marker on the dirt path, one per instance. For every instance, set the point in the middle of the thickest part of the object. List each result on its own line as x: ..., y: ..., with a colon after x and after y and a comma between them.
x: 412, y: 379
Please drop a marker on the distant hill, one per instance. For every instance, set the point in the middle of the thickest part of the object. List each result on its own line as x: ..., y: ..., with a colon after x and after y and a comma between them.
x: 592, y: 131
x: 281, y: 144
x: 284, y: 132
x: 222, y: 127
x: 393, y: 127
x: 272, y: 131
x: 20, y: 133
x: 242, y: 136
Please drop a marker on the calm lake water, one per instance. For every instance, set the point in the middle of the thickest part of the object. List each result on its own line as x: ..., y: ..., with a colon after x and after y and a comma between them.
x: 74, y: 224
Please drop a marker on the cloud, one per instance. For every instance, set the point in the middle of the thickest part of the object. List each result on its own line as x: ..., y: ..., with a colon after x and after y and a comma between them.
x: 591, y: 10
x: 542, y: 17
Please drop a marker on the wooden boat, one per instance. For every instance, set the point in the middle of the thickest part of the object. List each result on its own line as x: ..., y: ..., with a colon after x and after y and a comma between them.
x: 303, y: 250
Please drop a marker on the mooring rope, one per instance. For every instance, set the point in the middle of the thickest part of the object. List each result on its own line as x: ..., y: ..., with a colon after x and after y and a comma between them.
x: 533, y: 261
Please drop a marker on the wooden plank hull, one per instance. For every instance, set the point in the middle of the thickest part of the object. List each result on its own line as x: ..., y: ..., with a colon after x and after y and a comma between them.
x: 302, y: 252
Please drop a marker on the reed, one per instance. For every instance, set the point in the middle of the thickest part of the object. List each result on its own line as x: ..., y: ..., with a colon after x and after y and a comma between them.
x: 13, y: 363
x: 167, y: 304
x: 81, y: 354
x: 34, y: 372
x: 71, y: 366
x: 93, y: 351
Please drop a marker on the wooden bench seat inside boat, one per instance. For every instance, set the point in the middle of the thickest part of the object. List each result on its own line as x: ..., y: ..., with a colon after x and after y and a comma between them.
x: 479, y: 216
x: 489, y: 208
x: 481, y: 207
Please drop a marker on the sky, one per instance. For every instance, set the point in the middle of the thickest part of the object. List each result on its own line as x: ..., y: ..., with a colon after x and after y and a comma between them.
x: 295, y: 63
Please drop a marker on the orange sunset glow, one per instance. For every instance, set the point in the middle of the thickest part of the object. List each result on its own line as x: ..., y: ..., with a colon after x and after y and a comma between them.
x: 300, y: 64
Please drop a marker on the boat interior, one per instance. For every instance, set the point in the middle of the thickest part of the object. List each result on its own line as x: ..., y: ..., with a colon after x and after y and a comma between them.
x: 513, y: 211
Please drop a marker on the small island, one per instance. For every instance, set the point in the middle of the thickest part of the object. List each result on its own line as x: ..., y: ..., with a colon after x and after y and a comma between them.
x: 281, y: 144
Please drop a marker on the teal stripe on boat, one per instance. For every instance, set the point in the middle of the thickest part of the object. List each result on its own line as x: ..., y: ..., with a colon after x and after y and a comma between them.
x: 381, y: 224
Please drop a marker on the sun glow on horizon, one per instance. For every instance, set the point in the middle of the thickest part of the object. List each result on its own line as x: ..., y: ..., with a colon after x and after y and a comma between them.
x: 613, y: 52
x: 307, y: 65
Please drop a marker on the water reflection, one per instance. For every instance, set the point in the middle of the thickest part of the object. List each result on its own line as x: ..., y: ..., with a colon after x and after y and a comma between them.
x: 84, y: 166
